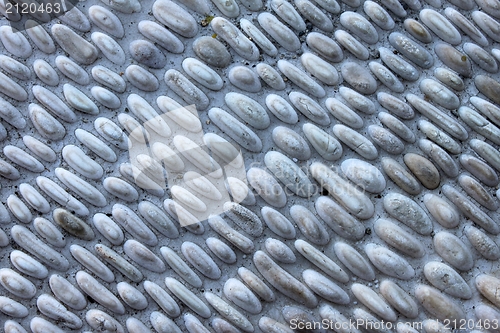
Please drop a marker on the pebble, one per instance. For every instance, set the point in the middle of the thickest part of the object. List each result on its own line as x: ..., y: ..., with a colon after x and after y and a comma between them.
x: 418, y: 30
x: 486, y: 246
x: 309, y: 108
x: 447, y: 279
x: 22, y: 158
x: 40, y: 37
x: 240, y: 191
x: 19, y: 209
x: 50, y: 307
x: 118, y: 262
x: 351, y: 44
x: 98, y: 319
x: 488, y: 87
x: 423, y: 169
x: 314, y: 15
x: 440, y: 118
x: 333, y: 316
x: 220, y: 325
x: 356, y: 141
x: 131, y: 296
x: 11, y: 89
x: 28, y: 241
x: 180, y: 267
x: 479, y: 169
x: 244, y: 218
x: 449, y: 78
x: 202, y: 74
x: 283, y: 35
x: 175, y: 17
x: 15, y: 42
x: 253, y: 5
x: 258, y: 38
x: 221, y: 250
x: 76, y: 46
x: 354, y: 261
x: 439, y: 137
x: 486, y: 313
x: 326, y: 145
x: 141, y: 78
x: 487, y: 152
x: 200, y: 260
x: 75, y: 19
x: 437, y: 304
x: 106, y: 20
x: 62, y: 197
x: 408, y: 212
x: 474, y: 189
x: 162, y: 298
x: 228, y: 8
x: 67, y: 293
x: 82, y: 188
x: 147, y: 54
x: 487, y: 286
x: 54, y: 104
x: 71, y: 70
x: 143, y: 256
x: 397, y: 126
x: 105, y: 97
x: 82, y: 163
x: 359, y: 78
x: 363, y: 174
x: 309, y: 225
x: 8, y: 171
x: 14, y: 68
x: 79, y: 100
x: 487, y: 109
x: 385, y: 139
x: 280, y: 251
x: 157, y: 218
x: 490, y: 7
x: 108, y: 228
x: 287, y: 13
x: 289, y: 174
x: 386, y: 77
x: 357, y: 101
x: 161, y: 36
x: 248, y: 110
x: 211, y: 51
x: 453, y: 250
x: 111, y: 132
x: 466, y: 26
x: 89, y: 261
x: 240, y: 295
x: 235, y: 129
x: 256, y: 284
x: 389, y: 262
x: 95, y: 145
x: 326, y: 47
x: 28, y: 265
x: 320, y: 69
x: 378, y: 15
x: 193, y: 324
x: 324, y: 287
x: 489, y: 25
x: 191, y: 94
x: 439, y: 94
x: 11, y: 114
x: 16, y: 284
x: 266, y: 187
x: 244, y: 79
x: 40, y: 325
x: 278, y: 223
x: 120, y: 189
x: 72, y: 224
x: 108, y: 78
x: 470, y: 210
x: 439, y: 25
x: 360, y: 26
x: 291, y: 142
x: 338, y: 219
x: 269, y: 325
x: 280, y: 108
x: 283, y: 281
x: 344, y: 113
x: 397, y: 8
x: 235, y: 38
x: 228, y: 312
x: 301, y: 79
x: 399, y: 238
x: 321, y: 260
x: 398, y: 65
x: 440, y: 157
x: 240, y: 241
x: 481, y: 57
x: 162, y: 324
x: 224, y: 150
x: 13, y: 309
x: 187, y: 297
x: 454, y: 59
x: 129, y: 220
x: 373, y: 301
x: 399, y: 299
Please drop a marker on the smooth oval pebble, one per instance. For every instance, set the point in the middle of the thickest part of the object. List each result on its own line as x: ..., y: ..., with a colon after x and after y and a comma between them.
x: 309, y: 225
x: 40, y: 325
x: 373, y: 301
x: 228, y: 312
x: 240, y: 241
x: 16, y: 284
x: 92, y: 263
x: 385, y: 139
x: 160, y: 35
x: 355, y: 141
x: 99, y: 292
x: 454, y: 59
x: 175, y: 17
x: 185, y: 89
x: 489, y: 25
x: 480, y: 169
x: 398, y: 65
x: 76, y: 46
x: 438, y: 136
x: 202, y: 74
x: 344, y: 113
x: 326, y: 145
x: 13, y: 309
x: 248, y: 109
x: 399, y: 238
x: 359, y: 78
x: 227, y: 8
x: 279, y: 251
x: 314, y: 15
x: 200, y: 260
x: 278, y: 223
x: 15, y: 42
x: 40, y: 37
x: 28, y: 265
x: 395, y: 105
x: 281, y: 109
x: 256, y: 284
x: 180, y: 267
x: 105, y: 97
x: 97, y: 318
x: 266, y: 187
x: 187, y: 297
x: 338, y: 219
x: 351, y: 44
x: 443, y: 212
x: 321, y: 260
x: 486, y: 246
x: 324, y: 287
x: 162, y: 324
x: 14, y: 68
x: 291, y: 142
x: 449, y: 78
x: 399, y: 298
x: 240, y: 295
x: 221, y: 250
x: 211, y: 51
x: 360, y: 26
x: 326, y: 47
x: 440, y: 26
x: 423, y: 169
x: 354, y: 262
x: 162, y: 298
x: 118, y: 262
x: 488, y: 87
x: 108, y: 228
x: 357, y: 101
x: 378, y: 15
x: 453, y: 250
x: 397, y: 127
x: 109, y: 47
x: 385, y: 76
x: 106, y: 21
x: 272, y: 78
x: 287, y: 13
x: 481, y: 57
x: 389, y: 262
x: 11, y: 88
x: 72, y: 224
x: 235, y: 38
x: 487, y: 286
x: 67, y: 293
x: 82, y: 188
x: 320, y: 69
x: 408, y: 212
x: 258, y: 37
x: 141, y: 78
x: 438, y: 305
x: 440, y: 157
x: 439, y: 94
x: 147, y: 54
x: 309, y: 108
x: 131, y: 296
x: 364, y: 175
x: 19, y: 209
x: 283, y: 281
x: 301, y: 79
x: 279, y: 32
x: 447, y: 279
x: 143, y: 256
x: 474, y: 189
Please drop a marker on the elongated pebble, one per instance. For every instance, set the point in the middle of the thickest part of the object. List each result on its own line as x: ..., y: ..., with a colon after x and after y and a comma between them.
x: 157, y: 218
x: 175, y: 17
x: 248, y: 109
x: 221, y: 250
x: 55, y: 310
x: 351, y: 44
x: 98, y: 319
x: 287, y: 13
x: 454, y: 59
x: 92, y: 263
x: 95, y: 145
x: 106, y: 20
x: 385, y: 139
x: 479, y: 169
x: 186, y: 90
x: 397, y: 126
x: 326, y: 47
x: 399, y: 298
x: 320, y: 69
x: 357, y: 101
x: 444, y: 212
x: 244, y: 218
x: 438, y: 136
x: 187, y: 297
x: 279, y: 32
x: 487, y: 286
x: 13, y: 309
x: 486, y: 246
x: 440, y: 94
x: 202, y: 74
x: 67, y: 292
x: 160, y: 35
x: 423, y: 169
x: 211, y: 51
x: 314, y: 15
x: 364, y: 175
x: 235, y: 38
x: 278, y: 223
x: 82, y: 188
x: 14, y: 68
x: 58, y: 194
x: 474, y: 189
x: 399, y: 238
x: 243, y: 297
x: 398, y: 65
x: 230, y: 313
x: 15, y: 42
x: 109, y: 47
x: 162, y: 324
x: 453, y: 250
x: 111, y: 132
x: 332, y: 315
x: 11, y: 114
x: 72, y: 70
x: 324, y: 287
x: 134, y: 225
x: 355, y: 141
x: 28, y: 265
x: 256, y: 284
x: 389, y: 262
x: 235, y: 129
x: 108, y: 78
x: 19, y: 209
x: 240, y: 241
x: 193, y: 324
x: 108, y: 228
x: 481, y: 57
x: 40, y: 325
x: 320, y: 260
x: 279, y: 251
x: 294, y: 314
x: 489, y: 25
x: 301, y: 79
x: 39, y: 37
x: 28, y: 241
x: 147, y: 54
x: 440, y: 157
x: 338, y: 219
x: 141, y: 78
x: 378, y: 15
x: 291, y: 143
x: 105, y: 97
x: 360, y: 26
x: 309, y: 108
x: 120, y: 189
x: 75, y: 45
x: 283, y: 281
x: 79, y: 100
x: 447, y: 279
x: 408, y: 212
x: 258, y: 37
x: 326, y: 145
x: 200, y: 260
x: 99, y: 292
x: 309, y: 225
x: 83, y: 164
x: 437, y: 304
x: 385, y: 76
x: 45, y: 72
x: 8, y: 171
x: 359, y: 78
x: 11, y: 88
x: 118, y: 262
x: 488, y: 87
x: 354, y: 261
x: 220, y: 325
x: 16, y: 284
x: 72, y: 224
x: 373, y: 301
x: 395, y: 105
x: 54, y: 104
x: 22, y: 158
x: 440, y: 26
x: 266, y: 187
x: 272, y: 78
x: 180, y: 267
x: 343, y: 113
x: 240, y: 191
x: 143, y: 256
x: 227, y: 8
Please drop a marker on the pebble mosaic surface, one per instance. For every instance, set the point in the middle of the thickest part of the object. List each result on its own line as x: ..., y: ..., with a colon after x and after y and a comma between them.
x: 369, y: 132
